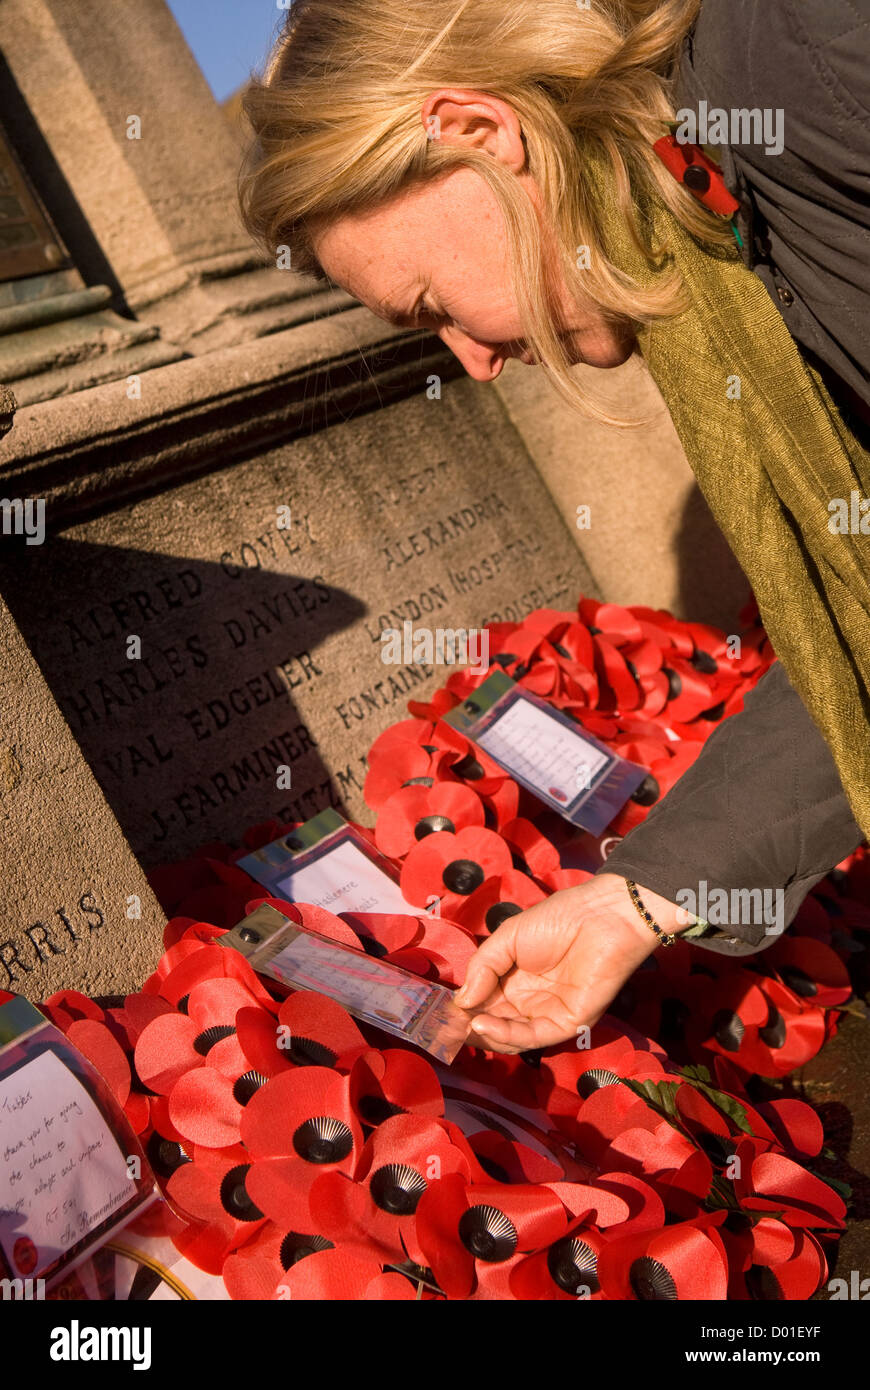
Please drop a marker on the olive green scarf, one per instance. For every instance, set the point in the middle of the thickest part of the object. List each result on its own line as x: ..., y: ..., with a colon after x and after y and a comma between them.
x: 768, y: 464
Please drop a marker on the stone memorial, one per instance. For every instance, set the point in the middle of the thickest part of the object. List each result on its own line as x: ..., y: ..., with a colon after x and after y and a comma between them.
x: 222, y: 484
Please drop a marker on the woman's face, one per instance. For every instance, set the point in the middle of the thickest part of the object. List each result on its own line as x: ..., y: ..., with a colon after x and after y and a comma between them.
x: 436, y: 257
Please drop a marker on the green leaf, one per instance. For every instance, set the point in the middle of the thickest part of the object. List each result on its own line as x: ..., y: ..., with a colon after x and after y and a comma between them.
x: 661, y: 1095
x: 699, y: 1077
x: 694, y: 1073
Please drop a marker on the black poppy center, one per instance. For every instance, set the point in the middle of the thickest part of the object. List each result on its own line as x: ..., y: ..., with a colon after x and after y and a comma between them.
x: 798, y: 981
x: 468, y: 768
x: 488, y: 1234
x: 594, y: 1080
x: 573, y: 1265
x: 648, y: 792
x: 397, y: 1188
x: 462, y: 876
x: 295, y: 1247
x: 165, y: 1155
x: 705, y: 663
x: 306, y: 1052
x: 323, y: 1139
x: 774, y: 1030
x: 234, y: 1195
x: 247, y: 1085
x: 428, y: 825
x: 675, y: 682
x: 498, y: 913
x: 728, y: 1030
x: 375, y: 1109
x: 650, y: 1280
x: 206, y: 1040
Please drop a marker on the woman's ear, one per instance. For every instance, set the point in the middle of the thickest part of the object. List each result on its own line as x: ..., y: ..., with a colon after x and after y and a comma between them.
x: 461, y: 116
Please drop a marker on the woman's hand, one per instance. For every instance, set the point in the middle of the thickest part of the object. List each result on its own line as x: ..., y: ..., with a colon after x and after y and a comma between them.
x: 558, y: 965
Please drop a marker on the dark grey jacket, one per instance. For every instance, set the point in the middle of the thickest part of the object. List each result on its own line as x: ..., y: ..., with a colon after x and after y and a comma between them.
x: 763, y: 806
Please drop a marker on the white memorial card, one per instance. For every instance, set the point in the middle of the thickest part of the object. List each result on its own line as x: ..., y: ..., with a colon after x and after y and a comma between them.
x: 62, y: 1171
x: 344, y: 879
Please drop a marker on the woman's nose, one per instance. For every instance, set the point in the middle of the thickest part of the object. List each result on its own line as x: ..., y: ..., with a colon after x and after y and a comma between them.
x: 482, y: 361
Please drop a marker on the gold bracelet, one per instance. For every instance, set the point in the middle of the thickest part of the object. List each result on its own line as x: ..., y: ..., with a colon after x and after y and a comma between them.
x: 666, y: 938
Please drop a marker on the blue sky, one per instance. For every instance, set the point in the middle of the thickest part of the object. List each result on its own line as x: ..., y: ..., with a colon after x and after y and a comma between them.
x: 228, y: 37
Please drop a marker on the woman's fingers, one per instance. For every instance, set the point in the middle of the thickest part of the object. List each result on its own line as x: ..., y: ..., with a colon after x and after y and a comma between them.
x: 493, y: 959
x: 516, y: 1034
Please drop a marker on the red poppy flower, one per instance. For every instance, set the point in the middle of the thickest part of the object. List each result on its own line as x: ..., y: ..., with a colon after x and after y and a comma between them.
x: 496, y: 899
x: 412, y: 813
x: 464, y: 1227
x: 450, y: 867
x: 212, y: 1192
x: 175, y: 1043
x: 393, y: 1081
x: 254, y: 1269
x: 769, y: 1182
x: 295, y: 1127
x: 565, y: 1271
x: 693, y: 168
x: 684, y: 1261
x: 374, y: 1212
x: 341, y: 1275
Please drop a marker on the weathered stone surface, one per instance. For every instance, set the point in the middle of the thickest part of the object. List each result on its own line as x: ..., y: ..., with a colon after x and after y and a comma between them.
x: 68, y: 876
x: 260, y: 647
x: 652, y: 539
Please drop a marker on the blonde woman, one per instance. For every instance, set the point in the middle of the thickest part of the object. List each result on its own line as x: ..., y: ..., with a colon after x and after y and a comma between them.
x: 489, y: 170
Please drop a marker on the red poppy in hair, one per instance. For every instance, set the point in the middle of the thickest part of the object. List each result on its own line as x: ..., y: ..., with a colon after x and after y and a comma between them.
x: 296, y: 1126
x: 375, y: 1211
x: 684, y: 1261
x: 412, y: 813
x: 451, y: 867
x: 212, y: 1192
x: 499, y: 897
x: 391, y: 1082
x: 464, y: 1227
x: 693, y: 168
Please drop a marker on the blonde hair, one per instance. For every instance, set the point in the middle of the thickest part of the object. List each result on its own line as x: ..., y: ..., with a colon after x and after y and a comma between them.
x: 337, y: 128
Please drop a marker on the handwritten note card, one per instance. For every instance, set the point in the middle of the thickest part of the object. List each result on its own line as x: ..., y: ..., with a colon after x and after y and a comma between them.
x: 62, y: 1172
x: 533, y: 745
x: 344, y: 880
